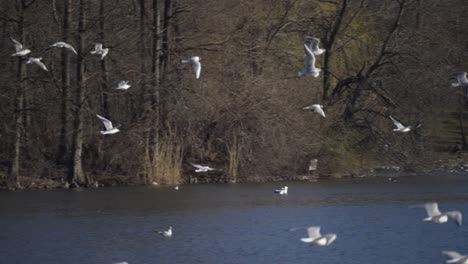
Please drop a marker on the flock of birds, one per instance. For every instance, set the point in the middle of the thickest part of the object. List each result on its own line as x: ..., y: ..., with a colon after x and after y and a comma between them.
x: 311, y: 49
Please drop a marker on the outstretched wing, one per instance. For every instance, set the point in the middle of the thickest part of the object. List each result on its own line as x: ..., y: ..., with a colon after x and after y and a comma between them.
x: 309, y: 59
x: 70, y: 47
x: 397, y: 124
x: 198, y: 166
x: 432, y: 209
x: 330, y: 238
x: 314, y: 231
x: 456, y: 216
x: 18, y: 46
x: 107, y: 123
x: 452, y: 254
x: 40, y: 64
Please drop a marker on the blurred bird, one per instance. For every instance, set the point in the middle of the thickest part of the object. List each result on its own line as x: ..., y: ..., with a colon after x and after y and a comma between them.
x: 37, y: 61
x: 201, y: 168
x: 400, y: 127
x: 195, y: 61
x: 108, y: 124
x: 455, y: 257
x: 313, y: 44
x: 20, y: 50
x: 461, y: 79
x: 98, y: 50
x: 315, y: 108
x: 316, y: 238
x: 123, y: 85
x: 167, y: 233
x: 282, y: 191
x: 435, y: 216
x: 310, y: 68
x: 62, y: 44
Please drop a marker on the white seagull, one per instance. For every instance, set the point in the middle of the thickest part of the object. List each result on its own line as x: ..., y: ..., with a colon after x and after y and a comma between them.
x: 435, y: 216
x: 201, y: 168
x: 461, y: 79
x: 20, y: 50
x: 310, y: 68
x: 123, y: 85
x: 195, y: 61
x: 62, y: 44
x: 313, y: 43
x: 167, y: 233
x: 282, y: 191
x: 37, y: 61
x: 399, y: 126
x: 455, y: 257
x: 176, y: 187
x: 315, y: 108
x: 98, y: 50
x: 316, y: 238
x: 108, y: 124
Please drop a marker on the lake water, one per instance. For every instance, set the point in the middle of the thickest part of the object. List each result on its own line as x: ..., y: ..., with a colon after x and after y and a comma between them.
x: 234, y: 223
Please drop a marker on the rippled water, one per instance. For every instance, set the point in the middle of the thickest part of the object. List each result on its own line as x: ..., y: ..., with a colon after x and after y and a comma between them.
x: 239, y: 223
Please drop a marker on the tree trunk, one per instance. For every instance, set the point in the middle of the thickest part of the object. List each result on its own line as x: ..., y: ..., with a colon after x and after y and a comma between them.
x: 105, y: 73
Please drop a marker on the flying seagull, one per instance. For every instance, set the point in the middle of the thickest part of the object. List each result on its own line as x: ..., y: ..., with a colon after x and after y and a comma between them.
x: 123, y: 85
x: 316, y: 238
x: 37, y: 61
x: 315, y: 108
x: 201, y: 168
x: 455, y: 257
x: 108, y: 124
x: 310, y: 68
x: 20, y: 50
x: 282, y: 191
x: 435, y: 216
x: 62, y: 44
x: 98, y: 50
x: 461, y: 79
x: 167, y: 233
x: 195, y: 61
x: 313, y: 44
x: 399, y: 126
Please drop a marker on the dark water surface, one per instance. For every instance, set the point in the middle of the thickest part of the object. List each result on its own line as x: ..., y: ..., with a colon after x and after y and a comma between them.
x: 238, y: 223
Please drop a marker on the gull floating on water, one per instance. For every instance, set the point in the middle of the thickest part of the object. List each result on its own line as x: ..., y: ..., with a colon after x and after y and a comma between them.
x: 455, y: 257
x: 37, y: 61
x: 315, y: 108
x: 195, y: 61
x: 461, y: 79
x: 282, y: 191
x: 201, y: 168
x: 98, y: 50
x: 62, y: 44
x: 108, y: 124
x: 167, y: 233
x: 310, y: 68
x: 316, y: 238
x: 123, y: 85
x: 435, y: 216
x: 313, y: 44
x: 20, y: 50
x: 400, y: 127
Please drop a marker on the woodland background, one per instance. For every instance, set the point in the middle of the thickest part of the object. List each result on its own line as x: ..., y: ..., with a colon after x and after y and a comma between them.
x: 244, y: 115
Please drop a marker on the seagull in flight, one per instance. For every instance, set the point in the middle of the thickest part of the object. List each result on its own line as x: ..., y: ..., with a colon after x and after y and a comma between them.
x: 310, y: 68
x: 62, y: 44
x: 108, y: 124
x: 98, y: 50
x: 461, y: 79
x: 313, y: 44
x: 167, y: 233
x: 315, y: 108
x: 282, y: 191
x: 195, y: 61
x: 123, y: 85
x: 316, y: 238
x: 435, y: 216
x: 201, y: 168
x: 399, y: 126
x: 20, y: 50
x: 455, y: 257
x: 37, y: 61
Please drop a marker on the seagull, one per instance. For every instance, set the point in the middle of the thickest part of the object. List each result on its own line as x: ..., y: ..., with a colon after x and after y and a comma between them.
x: 313, y: 44
x: 195, y: 61
x: 123, y: 85
x: 201, y: 168
x: 62, y: 44
x: 108, y: 124
x: 37, y: 61
x: 434, y: 215
x: 455, y: 257
x: 461, y: 79
x: 20, y: 50
x: 316, y: 238
x: 310, y: 68
x: 98, y: 50
x: 176, y: 187
x: 399, y: 126
x: 167, y: 233
x: 282, y: 191
x: 315, y: 108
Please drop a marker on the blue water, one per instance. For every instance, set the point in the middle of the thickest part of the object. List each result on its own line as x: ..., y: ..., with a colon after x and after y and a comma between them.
x: 238, y: 223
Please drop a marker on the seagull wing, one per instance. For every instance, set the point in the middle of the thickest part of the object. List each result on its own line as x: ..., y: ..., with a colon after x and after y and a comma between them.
x: 432, y: 209
x: 197, y: 68
x: 70, y: 47
x: 456, y: 216
x: 319, y: 110
x: 314, y: 231
x: 18, y: 46
x: 397, y: 124
x: 452, y: 254
x: 40, y: 64
x: 309, y: 59
x: 330, y: 238
x: 198, y: 166
x: 107, y: 123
